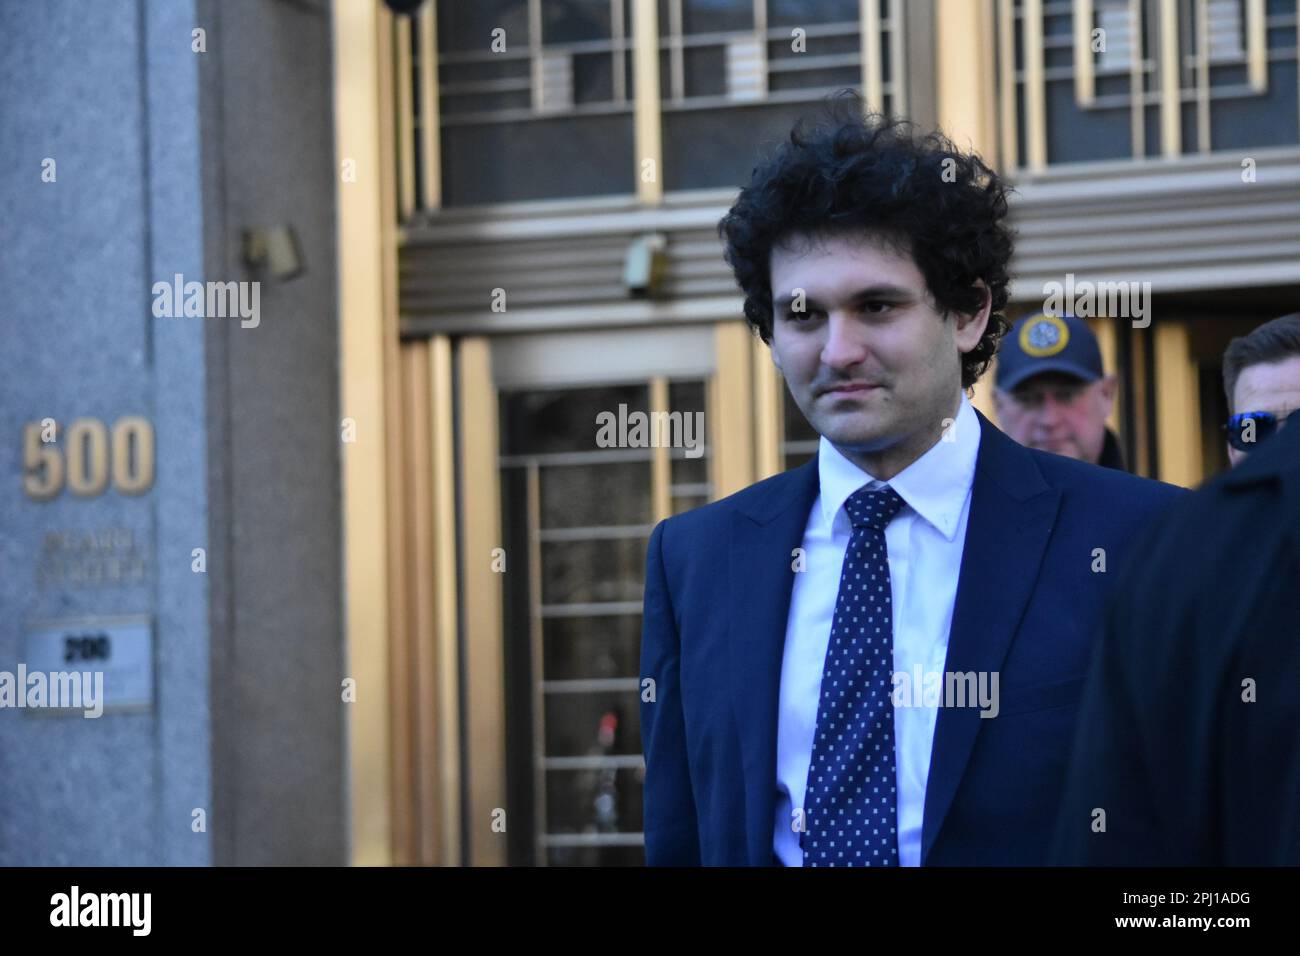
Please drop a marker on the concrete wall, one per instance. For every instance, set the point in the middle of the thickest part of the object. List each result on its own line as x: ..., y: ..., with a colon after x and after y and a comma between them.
x: 279, y: 756
x: 164, y: 156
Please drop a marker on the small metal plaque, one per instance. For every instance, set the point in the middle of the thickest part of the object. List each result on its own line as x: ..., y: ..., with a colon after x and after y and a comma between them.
x: 121, y: 648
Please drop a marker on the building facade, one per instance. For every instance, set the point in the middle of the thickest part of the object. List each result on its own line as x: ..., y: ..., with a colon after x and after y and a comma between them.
x: 413, y: 635
x: 559, y: 170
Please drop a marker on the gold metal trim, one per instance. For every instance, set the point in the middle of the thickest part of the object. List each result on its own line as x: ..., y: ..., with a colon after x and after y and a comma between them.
x: 769, y: 417
x: 485, y: 662
x: 1171, y: 136
x: 1009, y: 121
x: 430, y: 108
x: 537, y: 650
x: 420, y: 674
x: 403, y: 807
x: 363, y: 130
x: 645, y: 67
x: 966, y: 71
x: 730, y: 411
x: 661, y: 466
x: 872, y: 66
x: 1104, y: 329
x: 1035, y: 95
x: 1257, y: 44
x: 446, y: 611
x: 898, y: 58
x: 405, y: 117
x: 1177, y: 406
x: 1085, y: 85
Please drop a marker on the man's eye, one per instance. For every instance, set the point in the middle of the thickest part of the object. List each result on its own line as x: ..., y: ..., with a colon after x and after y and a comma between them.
x: 875, y: 308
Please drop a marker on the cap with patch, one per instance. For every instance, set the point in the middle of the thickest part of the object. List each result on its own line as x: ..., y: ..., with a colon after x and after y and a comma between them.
x: 1048, y: 343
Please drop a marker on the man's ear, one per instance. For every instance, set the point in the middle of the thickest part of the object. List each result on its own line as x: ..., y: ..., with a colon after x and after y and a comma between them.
x: 970, y: 328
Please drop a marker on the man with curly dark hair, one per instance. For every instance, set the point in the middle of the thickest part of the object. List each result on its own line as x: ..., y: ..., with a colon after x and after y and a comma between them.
x: 876, y: 658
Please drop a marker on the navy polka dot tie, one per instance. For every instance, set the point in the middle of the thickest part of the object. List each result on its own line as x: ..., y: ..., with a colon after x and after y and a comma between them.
x: 850, y: 805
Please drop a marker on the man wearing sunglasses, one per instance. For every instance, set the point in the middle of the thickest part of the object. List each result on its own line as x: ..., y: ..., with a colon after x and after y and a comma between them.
x: 1261, y: 375
x: 1051, y: 392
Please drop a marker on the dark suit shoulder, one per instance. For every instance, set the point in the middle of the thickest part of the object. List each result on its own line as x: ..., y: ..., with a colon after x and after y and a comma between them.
x: 1072, y: 471
x: 1116, y: 490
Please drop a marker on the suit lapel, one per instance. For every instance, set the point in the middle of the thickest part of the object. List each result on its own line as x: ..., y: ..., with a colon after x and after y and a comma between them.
x: 1012, y: 512
x: 763, y: 534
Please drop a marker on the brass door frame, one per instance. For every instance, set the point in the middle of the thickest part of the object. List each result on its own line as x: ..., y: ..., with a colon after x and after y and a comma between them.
x: 367, y: 355
x: 723, y: 355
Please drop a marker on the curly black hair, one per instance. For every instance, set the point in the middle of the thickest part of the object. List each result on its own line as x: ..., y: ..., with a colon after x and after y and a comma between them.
x: 857, y: 171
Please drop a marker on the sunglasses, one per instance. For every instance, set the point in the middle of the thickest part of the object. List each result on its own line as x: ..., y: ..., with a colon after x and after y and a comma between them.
x: 1247, y: 429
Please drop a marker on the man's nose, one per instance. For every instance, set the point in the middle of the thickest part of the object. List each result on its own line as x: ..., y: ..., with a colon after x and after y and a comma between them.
x: 844, y: 346
x: 1050, y: 412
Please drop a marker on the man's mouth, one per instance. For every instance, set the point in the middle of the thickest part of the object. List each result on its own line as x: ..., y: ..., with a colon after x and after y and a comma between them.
x: 849, y: 388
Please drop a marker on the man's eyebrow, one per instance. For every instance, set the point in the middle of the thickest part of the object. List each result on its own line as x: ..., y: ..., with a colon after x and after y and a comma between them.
x: 882, y: 290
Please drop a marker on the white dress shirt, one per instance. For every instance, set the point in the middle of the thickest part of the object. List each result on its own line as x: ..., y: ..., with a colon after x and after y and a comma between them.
x: 925, y: 542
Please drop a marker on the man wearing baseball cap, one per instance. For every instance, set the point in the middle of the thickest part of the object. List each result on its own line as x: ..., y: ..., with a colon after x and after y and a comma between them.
x: 1052, y: 393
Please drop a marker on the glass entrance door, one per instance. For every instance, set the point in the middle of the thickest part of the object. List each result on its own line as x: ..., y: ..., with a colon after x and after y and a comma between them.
x: 580, y: 514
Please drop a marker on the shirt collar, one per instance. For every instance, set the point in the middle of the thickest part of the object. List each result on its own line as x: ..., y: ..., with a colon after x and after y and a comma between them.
x: 935, y: 486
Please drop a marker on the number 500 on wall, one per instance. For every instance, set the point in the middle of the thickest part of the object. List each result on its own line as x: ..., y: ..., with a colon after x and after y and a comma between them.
x: 83, y: 461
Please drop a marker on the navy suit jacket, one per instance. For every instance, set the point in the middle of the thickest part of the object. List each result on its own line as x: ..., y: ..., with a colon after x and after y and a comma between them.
x: 717, y: 598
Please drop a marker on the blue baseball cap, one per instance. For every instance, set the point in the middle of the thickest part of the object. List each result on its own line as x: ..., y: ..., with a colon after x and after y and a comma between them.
x: 1048, y: 343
